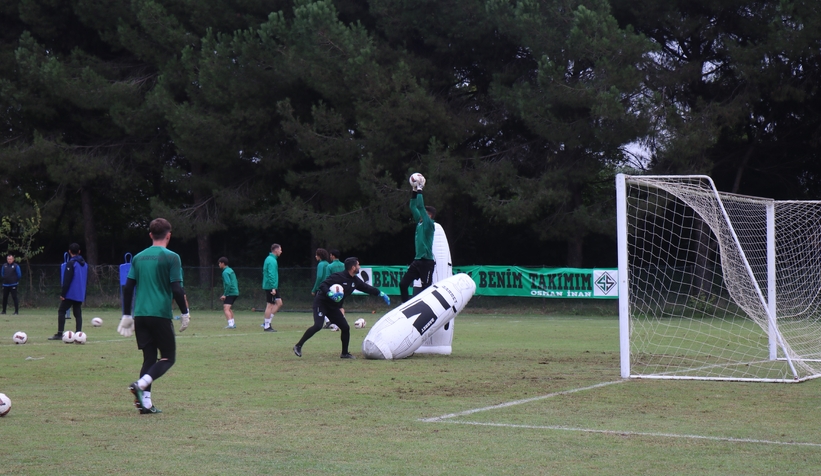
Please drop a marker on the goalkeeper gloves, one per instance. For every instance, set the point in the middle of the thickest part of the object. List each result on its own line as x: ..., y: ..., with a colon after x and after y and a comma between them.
x: 385, y: 298
x: 126, y: 327
x: 335, y: 297
x: 184, y: 319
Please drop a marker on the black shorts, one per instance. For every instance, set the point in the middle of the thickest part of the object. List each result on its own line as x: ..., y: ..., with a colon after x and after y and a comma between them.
x: 271, y: 298
x: 157, y: 332
x: 230, y: 300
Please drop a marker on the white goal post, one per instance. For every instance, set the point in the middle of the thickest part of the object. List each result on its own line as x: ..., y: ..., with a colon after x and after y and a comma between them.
x: 716, y: 286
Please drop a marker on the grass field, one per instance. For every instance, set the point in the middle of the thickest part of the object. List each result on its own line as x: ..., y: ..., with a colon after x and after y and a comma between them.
x: 520, y: 395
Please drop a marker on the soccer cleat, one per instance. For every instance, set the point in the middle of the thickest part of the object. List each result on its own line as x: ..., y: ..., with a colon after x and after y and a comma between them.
x: 269, y: 329
x: 56, y: 336
x: 346, y: 355
x: 15, y: 313
x: 230, y: 327
x: 149, y: 411
x: 298, y: 350
x: 327, y: 325
x: 138, y: 395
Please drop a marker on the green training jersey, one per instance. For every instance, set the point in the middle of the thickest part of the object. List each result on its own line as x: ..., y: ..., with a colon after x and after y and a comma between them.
x: 230, y: 285
x: 154, y: 269
x: 321, y: 274
x: 335, y: 266
x: 425, y: 228
x: 270, y: 273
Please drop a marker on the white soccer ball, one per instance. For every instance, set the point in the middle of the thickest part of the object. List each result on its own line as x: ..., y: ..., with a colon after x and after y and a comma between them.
x: 68, y: 337
x: 5, y: 405
x: 417, y: 179
x: 96, y: 322
x: 360, y: 323
x: 337, y: 288
x: 20, y: 337
x: 80, y: 337
x: 334, y: 327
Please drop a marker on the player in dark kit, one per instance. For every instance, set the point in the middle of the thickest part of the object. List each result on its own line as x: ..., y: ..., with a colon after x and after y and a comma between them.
x: 422, y: 266
x: 156, y: 272
x: 327, y: 303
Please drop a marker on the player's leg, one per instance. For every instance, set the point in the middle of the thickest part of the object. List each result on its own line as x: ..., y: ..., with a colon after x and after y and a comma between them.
x: 14, y: 298
x: 155, y: 335
x: 425, y: 267
x: 336, y: 317
x: 65, y: 305
x: 77, y: 307
x: 6, y: 291
x: 407, y: 280
x: 228, y: 310
x: 270, y: 303
x: 319, y: 319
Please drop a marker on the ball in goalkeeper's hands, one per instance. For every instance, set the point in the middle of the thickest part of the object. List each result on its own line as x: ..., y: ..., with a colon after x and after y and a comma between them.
x: 417, y: 180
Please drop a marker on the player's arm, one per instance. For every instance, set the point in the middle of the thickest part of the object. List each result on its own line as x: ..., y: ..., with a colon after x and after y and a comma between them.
x: 19, y: 273
x: 367, y: 288
x: 416, y: 210
x: 128, y: 293
x: 68, y: 276
x: 179, y: 296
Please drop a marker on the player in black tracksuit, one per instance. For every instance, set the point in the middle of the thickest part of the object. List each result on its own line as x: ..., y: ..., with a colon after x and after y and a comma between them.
x: 327, y: 303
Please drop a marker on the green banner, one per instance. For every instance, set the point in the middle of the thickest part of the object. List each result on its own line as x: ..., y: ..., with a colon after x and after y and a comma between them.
x: 566, y: 283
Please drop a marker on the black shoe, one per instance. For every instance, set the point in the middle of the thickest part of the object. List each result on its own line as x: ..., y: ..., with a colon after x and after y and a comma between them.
x: 138, y: 396
x: 298, y: 350
x: 327, y: 325
x: 15, y: 313
x: 56, y: 336
x: 269, y: 329
x: 4, y: 312
x: 347, y: 356
x: 149, y: 411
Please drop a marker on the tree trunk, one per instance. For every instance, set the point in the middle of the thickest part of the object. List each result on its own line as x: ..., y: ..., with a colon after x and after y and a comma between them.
x: 90, y: 250
x: 575, y: 252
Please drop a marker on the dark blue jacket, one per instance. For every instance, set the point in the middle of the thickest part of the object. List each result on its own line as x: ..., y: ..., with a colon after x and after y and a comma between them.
x: 11, y: 274
x: 74, y: 279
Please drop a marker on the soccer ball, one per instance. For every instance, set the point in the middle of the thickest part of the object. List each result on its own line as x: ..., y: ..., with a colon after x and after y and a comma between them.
x: 337, y: 288
x: 20, y: 337
x: 416, y: 179
x: 333, y: 328
x: 96, y: 322
x: 360, y: 323
x: 5, y: 405
x: 80, y: 337
x: 68, y: 337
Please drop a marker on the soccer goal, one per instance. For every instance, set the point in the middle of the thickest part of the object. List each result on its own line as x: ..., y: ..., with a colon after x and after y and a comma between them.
x: 716, y: 286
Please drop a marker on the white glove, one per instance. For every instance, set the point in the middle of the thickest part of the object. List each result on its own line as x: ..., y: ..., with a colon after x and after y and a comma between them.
x: 185, y: 318
x: 126, y: 327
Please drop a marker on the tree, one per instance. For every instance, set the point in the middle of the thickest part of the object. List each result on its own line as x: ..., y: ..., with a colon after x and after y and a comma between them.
x: 18, y: 233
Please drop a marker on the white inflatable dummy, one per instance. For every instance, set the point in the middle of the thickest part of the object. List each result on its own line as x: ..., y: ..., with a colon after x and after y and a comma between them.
x: 440, y: 341
x: 399, y: 333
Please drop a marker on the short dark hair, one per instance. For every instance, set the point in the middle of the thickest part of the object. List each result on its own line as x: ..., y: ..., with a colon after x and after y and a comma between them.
x: 431, y: 211
x: 275, y: 247
x: 322, y: 253
x: 159, y: 228
x: 351, y: 262
x: 223, y: 260
x: 74, y: 249
x: 9, y: 255
x: 334, y: 252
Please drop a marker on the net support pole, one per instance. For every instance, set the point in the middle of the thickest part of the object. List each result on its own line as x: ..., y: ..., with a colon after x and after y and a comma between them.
x: 624, y: 298
x: 771, y: 301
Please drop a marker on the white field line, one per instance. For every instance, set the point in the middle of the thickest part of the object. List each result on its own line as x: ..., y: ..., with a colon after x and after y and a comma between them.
x: 517, y: 402
x: 637, y: 433
x: 448, y: 418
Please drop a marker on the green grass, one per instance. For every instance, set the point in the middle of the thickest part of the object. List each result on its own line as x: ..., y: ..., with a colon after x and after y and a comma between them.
x: 239, y: 402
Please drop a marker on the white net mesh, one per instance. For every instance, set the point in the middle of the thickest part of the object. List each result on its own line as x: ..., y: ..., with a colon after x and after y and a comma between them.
x: 699, y: 283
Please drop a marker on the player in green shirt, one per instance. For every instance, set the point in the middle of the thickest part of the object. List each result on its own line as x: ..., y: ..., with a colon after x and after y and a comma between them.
x: 155, y: 273
x: 335, y: 266
x: 270, y: 284
x: 322, y: 272
x: 230, y: 291
x: 422, y: 266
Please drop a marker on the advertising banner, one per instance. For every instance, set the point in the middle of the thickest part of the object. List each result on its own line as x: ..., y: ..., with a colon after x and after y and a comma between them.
x: 566, y: 283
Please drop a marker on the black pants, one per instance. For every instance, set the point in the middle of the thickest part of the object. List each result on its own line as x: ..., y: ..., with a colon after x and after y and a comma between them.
x: 76, y: 308
x: 421, y: 269
x: 155, y: 337
x: 335, y: 316
x: 13, y: 291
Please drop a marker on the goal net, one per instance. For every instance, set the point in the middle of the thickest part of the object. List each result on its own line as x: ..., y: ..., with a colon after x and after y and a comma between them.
x: 717, y: 286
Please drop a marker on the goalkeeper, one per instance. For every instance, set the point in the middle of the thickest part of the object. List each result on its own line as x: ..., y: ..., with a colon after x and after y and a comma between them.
x: 156, y: 273
x: 422, y: 266
x: 327, y: 303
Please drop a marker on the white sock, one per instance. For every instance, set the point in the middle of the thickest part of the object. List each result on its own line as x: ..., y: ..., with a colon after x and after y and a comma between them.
x: 147, y: 400
x: 144, y: 381
x: 268, y: 321
x: 230, y: 322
